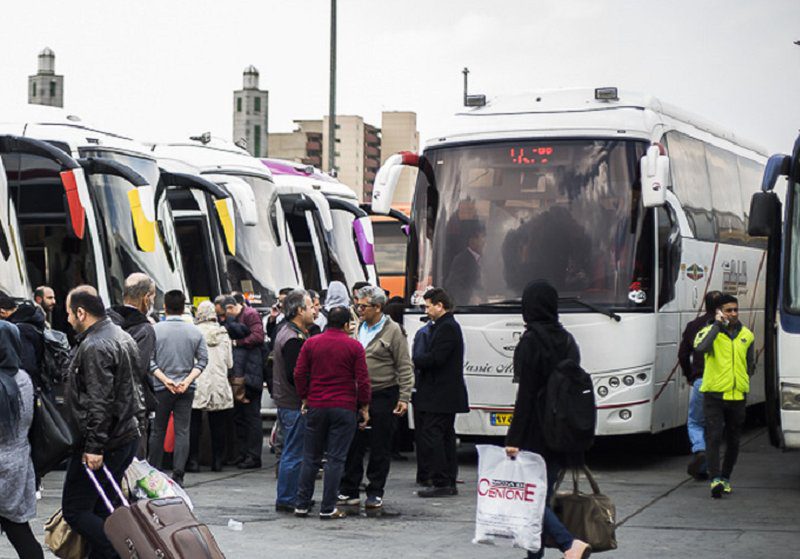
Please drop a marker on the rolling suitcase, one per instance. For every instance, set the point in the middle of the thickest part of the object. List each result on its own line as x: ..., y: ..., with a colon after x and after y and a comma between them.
x: 155, y: 528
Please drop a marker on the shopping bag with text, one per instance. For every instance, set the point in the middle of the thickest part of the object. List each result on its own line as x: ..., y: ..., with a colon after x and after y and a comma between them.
x: 511, y: 498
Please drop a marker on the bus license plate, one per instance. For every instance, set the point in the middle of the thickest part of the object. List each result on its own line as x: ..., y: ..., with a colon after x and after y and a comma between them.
x: 500, y: 419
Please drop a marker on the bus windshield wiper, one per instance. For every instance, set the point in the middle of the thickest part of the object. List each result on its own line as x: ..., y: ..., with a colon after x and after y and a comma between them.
x: 503, y: 303
x: 609, y: 313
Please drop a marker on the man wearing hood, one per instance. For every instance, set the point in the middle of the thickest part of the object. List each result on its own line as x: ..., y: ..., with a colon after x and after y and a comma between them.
x: 441, y: 394
x: 30, y: 320
x: 336, y: 296
x: 544, y: 343
x: 138, y: 297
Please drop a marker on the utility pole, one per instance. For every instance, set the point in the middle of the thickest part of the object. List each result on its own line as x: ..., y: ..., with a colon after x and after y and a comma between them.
x: 332, y: 100
x: 465, y: 71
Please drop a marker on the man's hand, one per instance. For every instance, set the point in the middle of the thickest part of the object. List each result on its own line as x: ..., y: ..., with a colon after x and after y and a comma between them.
x: 94, y: 461
x: 721, y: 318
x: 183, y: 386
x: 364, y: 418
x: 512, y: 451
x: 304, y: 407
x: 401, y: 408
x: 170, y: 385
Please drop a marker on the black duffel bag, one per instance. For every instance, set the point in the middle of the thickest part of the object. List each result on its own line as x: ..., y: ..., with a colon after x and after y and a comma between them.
x: 50, y: 436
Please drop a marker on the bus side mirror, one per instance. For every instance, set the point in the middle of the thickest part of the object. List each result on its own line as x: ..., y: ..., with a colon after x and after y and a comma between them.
x: 387, y: 178
x: 655, y: 177
x: 765, y: 214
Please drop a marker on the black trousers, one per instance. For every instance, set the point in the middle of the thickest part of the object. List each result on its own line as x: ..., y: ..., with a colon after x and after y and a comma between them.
x: 724, y: 420
x: 82, y: 506
x: 22, y: 538
x: 216, y: 424
x: 249, y: 433
x: 436, y: 447
x: 378, y: 437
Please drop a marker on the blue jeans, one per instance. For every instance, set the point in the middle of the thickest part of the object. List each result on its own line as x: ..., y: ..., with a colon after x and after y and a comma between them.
x: 329, y: 431
x: 552, y: 528
x: 293, y: 424
x: 696, y: 422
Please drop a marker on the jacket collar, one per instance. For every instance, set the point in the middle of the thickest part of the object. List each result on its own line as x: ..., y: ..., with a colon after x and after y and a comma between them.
x: 94, y: 328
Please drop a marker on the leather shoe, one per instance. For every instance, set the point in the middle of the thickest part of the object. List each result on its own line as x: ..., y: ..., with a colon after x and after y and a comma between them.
x: 437, y: 492
x: 249, y: 464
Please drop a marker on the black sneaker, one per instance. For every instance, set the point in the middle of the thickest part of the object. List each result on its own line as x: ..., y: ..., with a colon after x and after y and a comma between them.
x: 717, y: 488
x: 438, y: 492
x: 280, y: 507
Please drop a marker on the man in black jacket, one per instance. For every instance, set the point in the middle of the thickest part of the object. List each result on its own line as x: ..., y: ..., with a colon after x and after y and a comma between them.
x: 441, y: 394
x: 692, y: 364
x: 103, y: 400
x: 138, y: 297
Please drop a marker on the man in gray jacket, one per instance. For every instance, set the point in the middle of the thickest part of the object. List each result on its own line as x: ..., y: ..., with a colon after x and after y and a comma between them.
x: 179, y: 358
x: 391, y: 374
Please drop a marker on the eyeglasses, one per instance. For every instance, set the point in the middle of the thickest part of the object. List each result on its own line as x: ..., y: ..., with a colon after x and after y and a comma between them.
x: 362, y: 307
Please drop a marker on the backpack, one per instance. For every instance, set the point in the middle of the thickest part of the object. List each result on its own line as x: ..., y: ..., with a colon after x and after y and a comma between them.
x: 56, y: 357
x: 567, y: 412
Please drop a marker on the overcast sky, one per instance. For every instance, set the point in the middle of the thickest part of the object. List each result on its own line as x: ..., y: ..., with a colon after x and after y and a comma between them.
x: 165, y: 69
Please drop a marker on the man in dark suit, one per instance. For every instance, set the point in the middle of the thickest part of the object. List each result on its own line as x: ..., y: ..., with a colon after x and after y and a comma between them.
x: 441, y: 394
x: 464, y: 278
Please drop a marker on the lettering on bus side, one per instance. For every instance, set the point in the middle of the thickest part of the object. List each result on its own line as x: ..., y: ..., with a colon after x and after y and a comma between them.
x: 498, y: 368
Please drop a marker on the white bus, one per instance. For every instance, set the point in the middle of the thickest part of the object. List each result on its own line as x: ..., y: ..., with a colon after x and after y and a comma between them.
x: 782, y: 327
x: 338, y: 233
x: 549, y: 185
x: 264, y: 259
x: 101, y: 224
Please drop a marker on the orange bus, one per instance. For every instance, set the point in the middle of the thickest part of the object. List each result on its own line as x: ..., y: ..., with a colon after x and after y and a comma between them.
x: 391, y: 240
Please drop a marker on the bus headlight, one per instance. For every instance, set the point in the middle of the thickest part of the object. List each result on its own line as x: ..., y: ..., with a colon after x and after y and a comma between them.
x: 613, y: 382
x: 602, y: 391
x: 627, y: 380
x: 625, y: 415
x: 790, y: 397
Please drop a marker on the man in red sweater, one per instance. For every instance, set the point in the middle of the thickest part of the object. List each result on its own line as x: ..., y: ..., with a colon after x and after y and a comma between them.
x: 332, y: 381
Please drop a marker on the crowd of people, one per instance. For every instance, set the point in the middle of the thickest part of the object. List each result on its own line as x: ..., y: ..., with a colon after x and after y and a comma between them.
x: 340, y: 372
x: 338, y: 368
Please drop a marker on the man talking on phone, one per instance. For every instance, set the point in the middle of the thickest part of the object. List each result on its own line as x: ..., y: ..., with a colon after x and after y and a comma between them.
x: 729, y: 363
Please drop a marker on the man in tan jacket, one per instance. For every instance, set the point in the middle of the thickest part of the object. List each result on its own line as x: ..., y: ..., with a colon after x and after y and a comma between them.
x: 391, y: 375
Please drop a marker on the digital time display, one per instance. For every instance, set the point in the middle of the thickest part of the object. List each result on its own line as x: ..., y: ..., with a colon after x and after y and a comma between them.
x: 530, y: 155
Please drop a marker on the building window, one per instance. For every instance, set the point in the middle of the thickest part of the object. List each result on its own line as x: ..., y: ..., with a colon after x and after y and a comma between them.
x: 52, y: 88
x: 33, y: 94
x: 257, y: 142
x: 257, y: 104
x: 238, y: 104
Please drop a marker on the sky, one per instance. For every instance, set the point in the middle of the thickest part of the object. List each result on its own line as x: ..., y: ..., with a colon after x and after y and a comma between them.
x: 164, y: 70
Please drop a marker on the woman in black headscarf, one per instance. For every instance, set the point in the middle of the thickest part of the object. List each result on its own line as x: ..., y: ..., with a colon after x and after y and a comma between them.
x: 17, y: 480
x: 544, y: 343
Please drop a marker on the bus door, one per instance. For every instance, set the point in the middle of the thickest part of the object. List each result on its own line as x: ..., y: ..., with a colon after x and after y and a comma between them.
x: 13, y: 279
x: 49, y: 193
x: 352, y: 241
x: 202, y: 239
x: 307, y: 232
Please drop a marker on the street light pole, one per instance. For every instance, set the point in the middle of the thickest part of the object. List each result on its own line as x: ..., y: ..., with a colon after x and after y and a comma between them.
x: 332, y: 100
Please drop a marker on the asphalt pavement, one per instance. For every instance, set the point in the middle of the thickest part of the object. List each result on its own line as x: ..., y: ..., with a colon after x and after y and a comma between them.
x: 661, y: 512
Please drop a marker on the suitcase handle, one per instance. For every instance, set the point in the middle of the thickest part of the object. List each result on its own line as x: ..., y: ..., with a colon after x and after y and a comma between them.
x: 102, y: 493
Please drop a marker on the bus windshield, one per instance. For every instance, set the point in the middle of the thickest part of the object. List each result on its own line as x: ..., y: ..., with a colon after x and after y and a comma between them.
x: 491, y: 217
x: 262, y: 264
x: 113, y: 211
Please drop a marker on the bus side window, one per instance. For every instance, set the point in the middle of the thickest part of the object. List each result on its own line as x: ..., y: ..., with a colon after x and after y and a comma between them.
x: 669, y: 253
